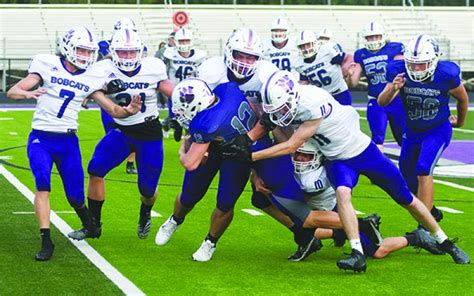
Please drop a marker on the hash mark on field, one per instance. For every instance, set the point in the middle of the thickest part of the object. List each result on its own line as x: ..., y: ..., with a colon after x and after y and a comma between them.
x: 155, y: 214
x: 450, y: 210
x: 252, y: 212
x: 13, y: 133
x: 359, y: 212
x: 6, y: 118
x: 123, y: 283
x: 6, y: 157
x: 32, y: 213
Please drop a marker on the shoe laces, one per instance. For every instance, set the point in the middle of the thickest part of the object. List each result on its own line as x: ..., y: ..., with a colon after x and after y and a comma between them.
x: 169, y: 226
x: 207, y: 246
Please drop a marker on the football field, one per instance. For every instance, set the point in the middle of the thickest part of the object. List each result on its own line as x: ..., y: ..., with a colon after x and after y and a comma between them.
x: 251, y: 257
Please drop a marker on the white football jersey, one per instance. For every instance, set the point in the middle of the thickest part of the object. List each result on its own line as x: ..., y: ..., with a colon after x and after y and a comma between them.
x: 316, y: 185
x: 339, y: 135
x: 283, y: 58
x: 214, y: 72
x: 180, y: 67
x: 57, y: 110
x: 144, y: 82
x: 324, y: 71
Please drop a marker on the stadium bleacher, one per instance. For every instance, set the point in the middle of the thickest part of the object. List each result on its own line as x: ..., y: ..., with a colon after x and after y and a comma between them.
x: 26, y: 31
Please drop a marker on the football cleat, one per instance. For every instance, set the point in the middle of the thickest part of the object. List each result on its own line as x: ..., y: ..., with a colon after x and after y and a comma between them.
x: 458, y: 255
x: 131, y: 169
x: 83, y: 233
x: 304, y: 251
x: 144, y: 226
x: 166, y: 231
x: 205, y: 251
x: 425, y: 241
x: 356, y: 262
x: 45, y: 253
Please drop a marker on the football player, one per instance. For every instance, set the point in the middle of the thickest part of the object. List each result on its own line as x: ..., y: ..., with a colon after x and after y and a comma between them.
x: 425, y: 85
x: 104, y: 53
x: 65, y: 81
x: 314, y: 113
x: 372, y: 62
x: 279, y: 49
x: 322, y: 64
x: 212, y: 118
x: 312, y: 177
x: 182, y: 61
x: 324, y: 36
x: 141, y: 132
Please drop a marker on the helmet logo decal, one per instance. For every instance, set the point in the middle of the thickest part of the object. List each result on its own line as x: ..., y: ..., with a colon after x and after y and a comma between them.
x: 286, y: 83
x: 186, y: 94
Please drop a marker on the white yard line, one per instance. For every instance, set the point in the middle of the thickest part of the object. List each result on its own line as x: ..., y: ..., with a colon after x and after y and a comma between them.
x: 103, y: 265
x: 6, y: 118
x: 155, y: 214
x: 252, y: 212
x: 454, y: 185
x: 13, y: 133
x: 449, y: 210
x: 359, y: 212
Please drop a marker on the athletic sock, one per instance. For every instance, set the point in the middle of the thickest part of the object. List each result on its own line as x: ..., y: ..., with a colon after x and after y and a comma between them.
x: 95, y: 207
x: 355, y: 244
x: 45, y: 234
x: 212, y: 239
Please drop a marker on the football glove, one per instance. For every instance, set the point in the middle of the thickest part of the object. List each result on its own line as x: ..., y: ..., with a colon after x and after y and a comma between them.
x: 239, y: 148
x: 115, y: 86
x: 267, y: 123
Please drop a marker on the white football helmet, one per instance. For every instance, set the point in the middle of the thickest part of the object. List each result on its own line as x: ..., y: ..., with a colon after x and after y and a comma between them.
x: 324, y: 35
x: 128, y: 42
x: 421, y: 57
x: 374, y: 29
x: 306, y: 37
x: 125, y: 23
x: 309, y: 147
x: 280, y: 95
x: 182, y: 35
x: 279, y: 24
x: 244, y: 41
x: 190, y: 97
x: 79, y: 37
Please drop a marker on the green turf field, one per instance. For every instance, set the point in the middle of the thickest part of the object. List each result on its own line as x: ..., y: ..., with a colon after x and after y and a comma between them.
x: 250, y: 257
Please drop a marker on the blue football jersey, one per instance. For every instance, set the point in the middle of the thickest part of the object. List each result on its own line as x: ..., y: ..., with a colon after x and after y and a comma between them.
x: 426, y: 103
x: 104, y: 48
x: 374, y: 65
x: 229, y: 117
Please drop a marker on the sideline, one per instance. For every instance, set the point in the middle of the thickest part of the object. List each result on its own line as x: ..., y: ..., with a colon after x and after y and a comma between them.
x: 91, y: 254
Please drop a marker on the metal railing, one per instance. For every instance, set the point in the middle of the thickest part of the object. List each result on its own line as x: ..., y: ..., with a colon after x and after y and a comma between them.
x: 423, y: 3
